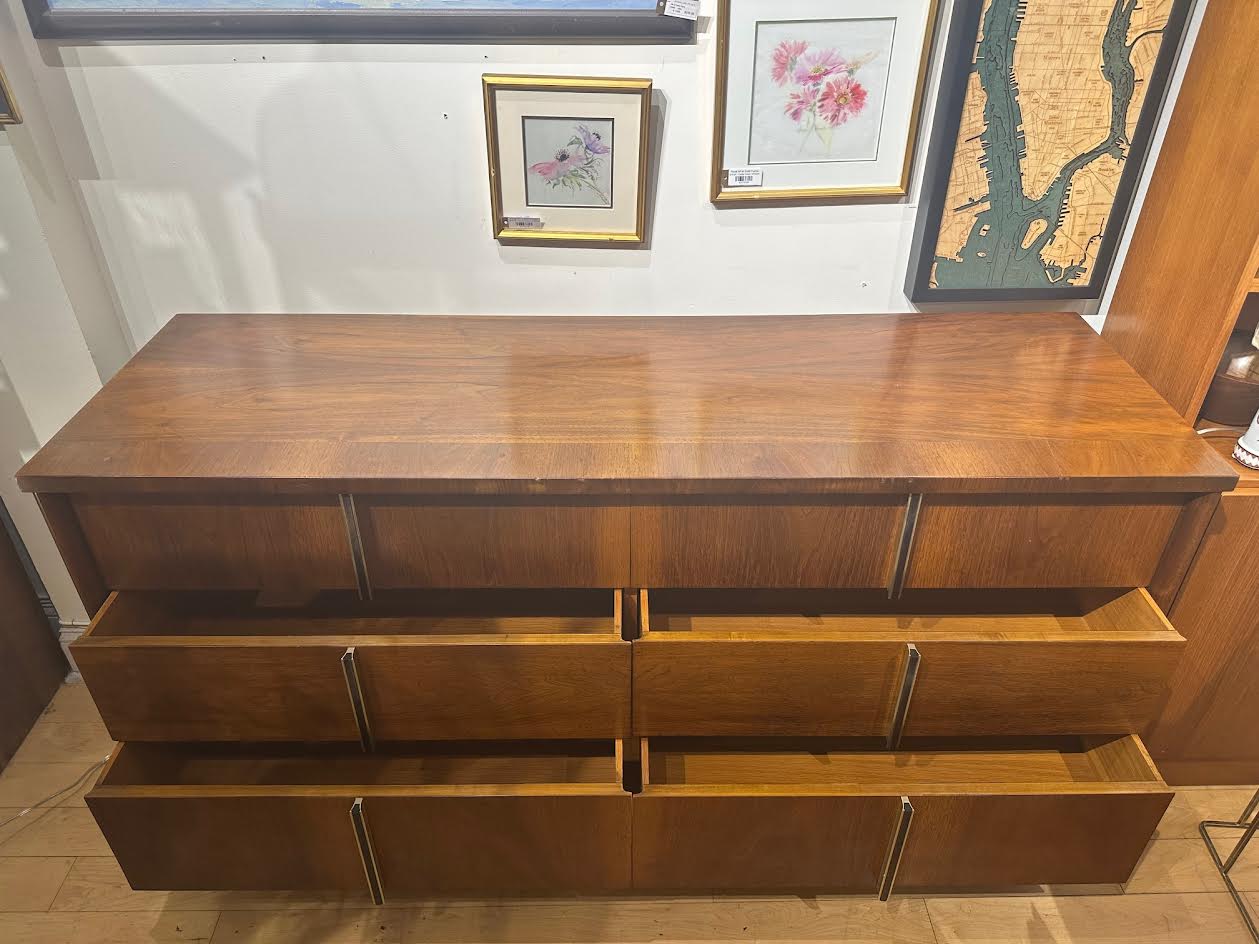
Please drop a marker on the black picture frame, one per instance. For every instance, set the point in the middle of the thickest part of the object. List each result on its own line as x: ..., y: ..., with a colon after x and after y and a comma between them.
x: 955, y: 76
x: 383, y: 25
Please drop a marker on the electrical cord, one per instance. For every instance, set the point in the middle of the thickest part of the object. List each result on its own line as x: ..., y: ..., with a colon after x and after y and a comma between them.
x: 52, y: 796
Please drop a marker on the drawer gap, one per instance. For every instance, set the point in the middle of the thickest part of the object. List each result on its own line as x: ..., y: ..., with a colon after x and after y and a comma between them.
x: 422, y: 613
x: 918, y: 615
x: 433, y: 764
x: 856, y: 764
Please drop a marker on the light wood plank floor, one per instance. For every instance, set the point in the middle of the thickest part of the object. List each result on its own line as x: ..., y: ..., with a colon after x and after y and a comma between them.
x: 60, y: 885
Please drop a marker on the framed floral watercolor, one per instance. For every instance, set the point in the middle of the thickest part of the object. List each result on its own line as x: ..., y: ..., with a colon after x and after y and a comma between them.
x: 568, y: 158
x: 818, y: 100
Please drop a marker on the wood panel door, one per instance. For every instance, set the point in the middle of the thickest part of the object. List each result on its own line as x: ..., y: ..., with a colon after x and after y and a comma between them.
x: 687, y: 684
x: 32, y: 666
x: 216, y: 542
x: 441, y: 543
x: 966, y: 840
x: 833, y: 542
x: 506, y: 841
x: 1203, y: 734
x: 1041, y: 541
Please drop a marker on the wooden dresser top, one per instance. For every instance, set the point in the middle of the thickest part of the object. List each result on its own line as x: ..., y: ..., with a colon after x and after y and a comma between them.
x: 484, y: 405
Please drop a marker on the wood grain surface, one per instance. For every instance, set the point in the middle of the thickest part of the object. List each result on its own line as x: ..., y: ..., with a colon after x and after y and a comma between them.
x: 1040, y: 542
x: 336, y: 403
x: 1195, y: 247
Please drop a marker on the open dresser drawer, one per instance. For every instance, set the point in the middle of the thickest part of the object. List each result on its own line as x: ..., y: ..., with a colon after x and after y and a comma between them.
x: 940, y: 663
x: 434, y: 818
x: 796, y: 814
x: 406, y: 666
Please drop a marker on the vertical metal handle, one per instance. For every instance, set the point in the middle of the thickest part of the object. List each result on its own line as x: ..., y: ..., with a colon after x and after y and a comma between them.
x: 896, y: 850
x: 355, y: 537
x: 349, y: 667
x: 365, y: 851
x: 910, y: 676
x: 904, y: 547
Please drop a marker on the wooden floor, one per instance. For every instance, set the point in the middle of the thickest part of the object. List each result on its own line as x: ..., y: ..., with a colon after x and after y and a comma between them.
x: 60, y: 885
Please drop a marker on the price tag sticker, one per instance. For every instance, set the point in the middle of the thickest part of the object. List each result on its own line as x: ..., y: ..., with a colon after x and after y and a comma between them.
x: 745, y: 177
x: 682, y: 9
x: 522, y: 222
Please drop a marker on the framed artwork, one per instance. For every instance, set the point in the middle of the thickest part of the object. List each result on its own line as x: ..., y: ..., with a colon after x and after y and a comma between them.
x: 568, y: 158
x: 817, y: 100
x: 9, y: 114
x: 435, y: 20
x: 1044, y: 119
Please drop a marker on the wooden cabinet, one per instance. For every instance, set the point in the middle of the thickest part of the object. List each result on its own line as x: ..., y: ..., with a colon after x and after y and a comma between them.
x: 428, y: 666
x: 817, y: 814
x: 381, y: 602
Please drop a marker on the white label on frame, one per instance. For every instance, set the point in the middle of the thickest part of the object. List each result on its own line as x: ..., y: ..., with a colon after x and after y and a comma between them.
x: 682, y: 9
x: 745, y: 177
x: 523, y: 222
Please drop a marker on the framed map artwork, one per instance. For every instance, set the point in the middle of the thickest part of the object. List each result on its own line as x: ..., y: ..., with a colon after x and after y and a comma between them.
x: 1045, y: 116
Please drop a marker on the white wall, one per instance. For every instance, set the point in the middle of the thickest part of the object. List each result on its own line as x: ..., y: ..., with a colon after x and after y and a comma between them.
x: 352, y: 178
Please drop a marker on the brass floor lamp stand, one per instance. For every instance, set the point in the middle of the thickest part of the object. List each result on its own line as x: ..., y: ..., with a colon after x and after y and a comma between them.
x: 1249, y: 823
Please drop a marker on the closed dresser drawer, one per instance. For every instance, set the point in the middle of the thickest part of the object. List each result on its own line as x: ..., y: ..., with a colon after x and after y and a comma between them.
x: 809, y: 814
x: 484, y: 818
x: 955, y: 664
x: 824, y: 542
x: 403, y: 667
x: 1041, y: 540
x: 203, y: 542
x: 446, y: 543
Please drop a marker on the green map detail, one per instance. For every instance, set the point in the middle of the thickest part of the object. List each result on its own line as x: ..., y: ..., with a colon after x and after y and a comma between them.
x: 993, y: 256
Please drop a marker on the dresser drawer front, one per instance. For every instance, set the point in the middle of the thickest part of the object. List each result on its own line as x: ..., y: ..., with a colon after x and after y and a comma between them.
x: 824, y: 543
x: 412, y: 543
x: 475, y: 817
x: 241, y: 691
x: 967, y: 841
x: 1107, y: 686
x: 749, y: 843
x: 232, y: 843
x: 404, y: 667
x: 829, y: 814
x: 492, y: 845
x: 1037, y: 541
x: 505, y: 689
x: 215, y: 542
x: 763, y: 687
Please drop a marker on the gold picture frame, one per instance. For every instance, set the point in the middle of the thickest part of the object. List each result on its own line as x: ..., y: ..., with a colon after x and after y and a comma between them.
x: 9, y: 113
x: 722, y: 195
x: 492, y: 85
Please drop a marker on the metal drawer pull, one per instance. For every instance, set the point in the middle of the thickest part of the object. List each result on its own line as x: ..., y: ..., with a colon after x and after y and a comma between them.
x: 350, y: 669
x: 896, y: 850
x: 901, y: 712
x: 904, y: 547
x: 359, y: 558
x: 365, y: 851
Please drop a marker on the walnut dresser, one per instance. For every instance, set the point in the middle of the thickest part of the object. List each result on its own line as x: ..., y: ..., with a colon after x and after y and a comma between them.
x: 428, y: 605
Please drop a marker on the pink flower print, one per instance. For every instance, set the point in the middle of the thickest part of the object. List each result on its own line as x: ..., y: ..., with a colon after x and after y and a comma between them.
x: 813, y: 68
x: 785, y: 56
x: 592, y: 141
x: 840, y: 100
x: 801, y: 103
x: 566, y: 161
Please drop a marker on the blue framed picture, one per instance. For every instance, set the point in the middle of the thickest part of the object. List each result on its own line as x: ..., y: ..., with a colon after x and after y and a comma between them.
x: 347, y: 20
